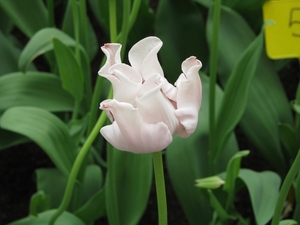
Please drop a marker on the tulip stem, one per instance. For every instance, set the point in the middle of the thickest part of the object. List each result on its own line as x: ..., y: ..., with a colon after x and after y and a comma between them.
x: 213, y: 79
x: 76, y: 168
x: 287, y: 183
x: 160, y: 188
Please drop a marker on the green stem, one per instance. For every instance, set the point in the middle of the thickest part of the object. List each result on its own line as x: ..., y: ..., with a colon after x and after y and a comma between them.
x: 76, y: 167
x: 160, y: 188
x: 111, y: 193
x: 125, y: 26
x: 113, y: 21
x: 113, y: 39
x: 213, y: 81
x: 287, y: 183
x: 134, y: 12
x: 95, y: 102
x: 132, y: 17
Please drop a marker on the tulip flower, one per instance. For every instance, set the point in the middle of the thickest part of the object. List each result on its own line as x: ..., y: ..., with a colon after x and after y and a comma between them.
x: 146, y: 110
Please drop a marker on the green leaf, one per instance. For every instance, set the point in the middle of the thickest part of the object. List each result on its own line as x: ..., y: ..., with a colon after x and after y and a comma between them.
x: 44, y: 128
x: 93, y: 209
x: 28, y: 15
x: 206, y: 3
x: 188, y: 160
x: 69, y: 69
x: 46, y: 177
x: 289, y: 139
x: 77, y: 129
x: 6, y: 23
x: 297, y: 194
x: 68, y: 28
x: 181, y: 16
x: 9, y: 139
x: 44, y: 217
x: 267, y: 103
x: 288, y: 222
x: 233, y: 170
x: 263, y: 188
x: 236, y: 94
x: 41, y: 43
x: 93, y: 181
x: 43, y: 90
x: 214, y: 202
x: 139, y: 30
x: 9, y: 55
x: 128, y: 186
x: 37, y: 201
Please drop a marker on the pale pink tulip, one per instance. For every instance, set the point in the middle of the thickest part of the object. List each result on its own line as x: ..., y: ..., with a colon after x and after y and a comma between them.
x: 146, y: 109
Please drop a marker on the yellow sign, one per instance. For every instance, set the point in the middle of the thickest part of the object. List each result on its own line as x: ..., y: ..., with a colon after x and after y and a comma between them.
x: 282, y: 37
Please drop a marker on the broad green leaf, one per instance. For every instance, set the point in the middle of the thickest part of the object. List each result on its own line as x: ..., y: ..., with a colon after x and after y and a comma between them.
x: 289, y: 139
x: 267, y: 103
x: 233, y: 170
x: 39, y: 200
x: 206, y: 3
x: 28, y: 15
x: 44, y: 128
x: 46, y: 177
x: 69, y: 69
x: 127, y: 187
x: 77, y: 129
x: 6, y: 23
x: 41, y: 43
x: 288, y: 222
x: 236, y: 94
x: 93, y: 181
x: 180, y: 26
x: 93, y: 209
x: 263, y: 188
x: 44, y: 217
x: 9, y: 55
x: 39, y: 89
x: 188, y: 160
x: 9, y: 139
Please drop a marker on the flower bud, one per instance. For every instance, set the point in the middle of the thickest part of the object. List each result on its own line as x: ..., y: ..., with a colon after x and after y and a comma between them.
x: 210, y: 182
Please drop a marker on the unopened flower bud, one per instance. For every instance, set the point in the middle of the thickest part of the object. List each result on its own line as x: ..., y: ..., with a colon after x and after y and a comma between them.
x: 210, y: 182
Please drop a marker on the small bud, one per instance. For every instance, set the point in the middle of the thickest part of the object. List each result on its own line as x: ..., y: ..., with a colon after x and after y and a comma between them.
x: 210, y: 182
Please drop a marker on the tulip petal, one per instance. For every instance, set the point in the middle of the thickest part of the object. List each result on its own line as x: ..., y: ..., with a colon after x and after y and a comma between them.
x: 126, y: 82
x: 154, y: 106
x: 130, y: 133
x: 112, y: 52
x: 189, y: 94
x: 143, y: 57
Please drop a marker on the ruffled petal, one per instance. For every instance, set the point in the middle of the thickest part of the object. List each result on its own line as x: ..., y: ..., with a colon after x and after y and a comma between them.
x: 189, y: 94
x: 169, y: 90
x: 143, y: 57
x: 154, y: 106
x: 112, y: 52
x: 130, y: 133
x: 126, y: 82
